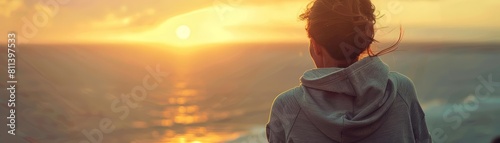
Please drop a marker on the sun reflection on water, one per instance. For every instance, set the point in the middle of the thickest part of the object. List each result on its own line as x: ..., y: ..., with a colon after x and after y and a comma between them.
x: 197, y: 135
x: 188, y: 117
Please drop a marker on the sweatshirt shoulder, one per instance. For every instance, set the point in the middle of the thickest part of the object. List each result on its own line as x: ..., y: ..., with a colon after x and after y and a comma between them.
x: 284, y: 98
x: 405, y: 86
x: 401, y: 79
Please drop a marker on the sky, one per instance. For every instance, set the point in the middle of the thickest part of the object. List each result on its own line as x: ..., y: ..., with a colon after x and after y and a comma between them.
x: 198, y: 22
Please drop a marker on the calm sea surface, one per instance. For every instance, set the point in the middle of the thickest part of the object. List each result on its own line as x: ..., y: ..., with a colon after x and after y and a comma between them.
x: 157, y: 94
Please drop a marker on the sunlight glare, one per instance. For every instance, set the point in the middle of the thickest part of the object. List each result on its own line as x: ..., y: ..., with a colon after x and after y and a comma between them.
x: 183, y: 32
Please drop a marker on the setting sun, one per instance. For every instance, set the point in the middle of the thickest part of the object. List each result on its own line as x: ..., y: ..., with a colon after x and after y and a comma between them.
x: 183, y: 32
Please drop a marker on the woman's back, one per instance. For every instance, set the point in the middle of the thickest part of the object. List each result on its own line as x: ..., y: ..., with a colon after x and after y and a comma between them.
x: 347, y: 98
x: 361, y: 103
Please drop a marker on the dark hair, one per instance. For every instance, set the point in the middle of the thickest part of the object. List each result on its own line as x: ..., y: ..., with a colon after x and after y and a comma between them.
x: 344, y: 27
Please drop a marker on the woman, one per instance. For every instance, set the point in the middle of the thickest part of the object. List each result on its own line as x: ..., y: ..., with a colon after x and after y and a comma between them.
x: 347, y: 98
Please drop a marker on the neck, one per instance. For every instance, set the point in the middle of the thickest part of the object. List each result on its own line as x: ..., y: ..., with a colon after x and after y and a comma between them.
x: 329, y: 62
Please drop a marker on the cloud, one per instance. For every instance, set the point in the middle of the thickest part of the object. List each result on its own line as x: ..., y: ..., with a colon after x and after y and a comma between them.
x: 10, y: 6
x: 123, y: 19
x: 244, y: 23
x: 233, y: 20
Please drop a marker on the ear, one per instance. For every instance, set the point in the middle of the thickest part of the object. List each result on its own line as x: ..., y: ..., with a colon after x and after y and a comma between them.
x: 317, y: 49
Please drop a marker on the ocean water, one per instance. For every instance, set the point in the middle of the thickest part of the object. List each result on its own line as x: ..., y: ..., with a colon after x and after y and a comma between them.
x: 222, y: 93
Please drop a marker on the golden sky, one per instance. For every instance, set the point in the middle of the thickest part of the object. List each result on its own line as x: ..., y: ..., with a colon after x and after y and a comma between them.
x: 195, y: 22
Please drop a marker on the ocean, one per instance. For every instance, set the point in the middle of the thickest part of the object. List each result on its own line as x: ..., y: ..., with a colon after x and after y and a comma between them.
x: 114, y: 93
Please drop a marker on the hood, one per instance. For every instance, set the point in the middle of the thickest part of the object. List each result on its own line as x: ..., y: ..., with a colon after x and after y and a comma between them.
x: 346, y: 104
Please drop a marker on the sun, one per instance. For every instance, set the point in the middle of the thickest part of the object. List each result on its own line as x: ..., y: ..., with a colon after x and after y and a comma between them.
x: 183, y: 32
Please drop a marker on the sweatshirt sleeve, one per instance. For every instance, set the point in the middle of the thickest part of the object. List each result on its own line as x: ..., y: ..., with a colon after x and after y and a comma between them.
x: 420, y: 132
x: 274, y: 130
x: 282, y: 117
x: 419, y: 125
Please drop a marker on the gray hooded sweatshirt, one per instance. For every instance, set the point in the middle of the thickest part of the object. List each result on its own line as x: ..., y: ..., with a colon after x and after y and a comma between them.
x: 361, y: 103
